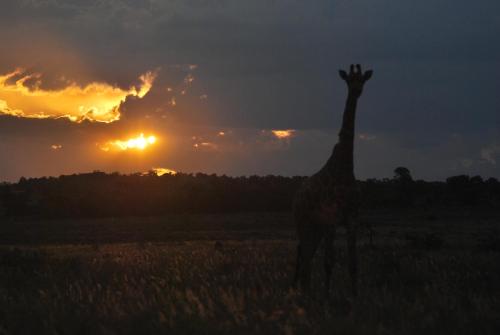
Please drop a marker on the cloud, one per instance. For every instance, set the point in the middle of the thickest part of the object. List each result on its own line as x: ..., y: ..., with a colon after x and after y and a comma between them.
x: 262, y: 65
x: 283, y: 134
x: 206, y: 146
x: 21, y: 96
x: 466, y: 162
x: 367, y: 137
x: 489, y: 153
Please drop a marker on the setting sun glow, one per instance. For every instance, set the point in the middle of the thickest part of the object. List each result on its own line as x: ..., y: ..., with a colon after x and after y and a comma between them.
x: 282, y: 134
x: 138, y: 143
x: 159, y: 171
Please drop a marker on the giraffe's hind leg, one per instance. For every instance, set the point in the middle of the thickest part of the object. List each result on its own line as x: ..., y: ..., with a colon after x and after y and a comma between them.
x: 353, y: 257
x: 329, y: 260
x: 309, y: 241
x: 297, y: 267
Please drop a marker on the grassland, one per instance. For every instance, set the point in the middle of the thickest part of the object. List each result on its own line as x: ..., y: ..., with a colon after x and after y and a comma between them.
x: 423, y: 273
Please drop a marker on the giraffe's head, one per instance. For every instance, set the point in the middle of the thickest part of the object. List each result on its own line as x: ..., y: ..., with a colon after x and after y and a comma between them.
x: 356, y: 79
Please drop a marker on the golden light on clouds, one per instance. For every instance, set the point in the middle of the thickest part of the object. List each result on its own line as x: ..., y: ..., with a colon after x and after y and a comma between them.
x: 205, y: 145
x: 161, y: 171
x: 136, y: 143
x: 99, y: 102
x: 189, y: 79
x: 283, y: 134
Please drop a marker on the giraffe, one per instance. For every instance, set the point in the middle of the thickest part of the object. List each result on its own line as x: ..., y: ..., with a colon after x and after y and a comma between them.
x: 330, y: 197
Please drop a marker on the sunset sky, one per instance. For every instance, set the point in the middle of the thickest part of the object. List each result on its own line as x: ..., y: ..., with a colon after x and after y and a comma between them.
x: 247, y: 87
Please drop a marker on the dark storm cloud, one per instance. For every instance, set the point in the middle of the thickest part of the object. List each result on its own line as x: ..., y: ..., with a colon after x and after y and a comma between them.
x: 273, y: 64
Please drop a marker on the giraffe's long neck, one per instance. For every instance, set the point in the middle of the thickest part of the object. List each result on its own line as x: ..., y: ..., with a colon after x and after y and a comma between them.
x: 346, y: 134
x: 341, y: 163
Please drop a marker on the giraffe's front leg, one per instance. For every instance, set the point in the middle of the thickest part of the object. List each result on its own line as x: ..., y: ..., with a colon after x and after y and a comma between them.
x: 352, y: 254
x: 329, y: 256
x: 297, y: 267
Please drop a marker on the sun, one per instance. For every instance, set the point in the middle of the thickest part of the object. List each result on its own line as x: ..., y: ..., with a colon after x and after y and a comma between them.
x: 140, y: 142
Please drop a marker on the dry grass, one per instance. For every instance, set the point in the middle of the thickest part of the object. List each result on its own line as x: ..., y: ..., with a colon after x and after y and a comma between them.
x: 244, y: 287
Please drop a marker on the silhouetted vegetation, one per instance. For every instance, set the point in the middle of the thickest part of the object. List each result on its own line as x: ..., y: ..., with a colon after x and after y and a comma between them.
x: 99, y: 194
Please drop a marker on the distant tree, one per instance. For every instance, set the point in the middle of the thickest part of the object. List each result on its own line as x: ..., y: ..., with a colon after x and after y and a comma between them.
x: 458, y: 181
x: 476, y: 180
x: 492, y: 181
x: 462, y: 190
x: 404, y: 187
x: 402, y: 173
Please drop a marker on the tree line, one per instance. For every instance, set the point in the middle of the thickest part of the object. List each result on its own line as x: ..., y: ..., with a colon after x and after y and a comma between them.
x: 99, y: 194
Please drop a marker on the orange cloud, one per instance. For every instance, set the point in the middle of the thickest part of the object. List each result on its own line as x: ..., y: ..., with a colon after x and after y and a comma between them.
x: 206, y: 145
x: 99, y: 102
x: 283, y: 134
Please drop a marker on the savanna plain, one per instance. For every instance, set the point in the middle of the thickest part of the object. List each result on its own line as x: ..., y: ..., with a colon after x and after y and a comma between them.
x: 432, y: 273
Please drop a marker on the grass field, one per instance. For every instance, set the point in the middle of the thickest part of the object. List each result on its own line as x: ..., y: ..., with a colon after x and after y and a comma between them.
x: 432, y: 274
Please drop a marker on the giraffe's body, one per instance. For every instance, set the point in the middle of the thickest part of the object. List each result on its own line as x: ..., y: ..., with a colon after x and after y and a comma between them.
x: 330, y: 197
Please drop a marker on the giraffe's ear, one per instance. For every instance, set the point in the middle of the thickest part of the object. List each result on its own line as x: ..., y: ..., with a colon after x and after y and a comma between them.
x: 368, y: 74
x: 343, y: 74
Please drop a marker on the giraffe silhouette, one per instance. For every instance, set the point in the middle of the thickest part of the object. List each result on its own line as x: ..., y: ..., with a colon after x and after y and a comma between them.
x: 330, y: 197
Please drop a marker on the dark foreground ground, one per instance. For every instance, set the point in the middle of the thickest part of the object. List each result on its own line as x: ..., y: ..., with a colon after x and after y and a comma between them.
x: 429, y: 273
